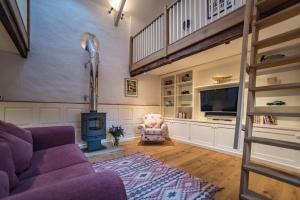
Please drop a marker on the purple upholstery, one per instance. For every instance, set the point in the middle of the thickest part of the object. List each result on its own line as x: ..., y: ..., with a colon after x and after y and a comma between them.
x: 46, y: 137
x: 4, y: 184
x: 16, y: 131
x: 20, y: 149
x: 7, y: 165
x: 44, y: 161
x: 54, y: 177
x: 58, y: 171
x: 96, y: 186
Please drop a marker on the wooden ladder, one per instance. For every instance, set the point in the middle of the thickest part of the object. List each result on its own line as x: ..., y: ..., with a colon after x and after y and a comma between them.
x: 252, y: 18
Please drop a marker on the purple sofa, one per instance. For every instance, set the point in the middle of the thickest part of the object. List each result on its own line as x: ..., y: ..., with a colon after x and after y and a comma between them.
x: 45, y: 163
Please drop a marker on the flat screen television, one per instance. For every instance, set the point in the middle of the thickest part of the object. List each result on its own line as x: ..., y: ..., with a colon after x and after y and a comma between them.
x: 219, y: 101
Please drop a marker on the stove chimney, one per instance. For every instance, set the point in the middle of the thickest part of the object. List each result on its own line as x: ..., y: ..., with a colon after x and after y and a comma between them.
x: 90, y: 43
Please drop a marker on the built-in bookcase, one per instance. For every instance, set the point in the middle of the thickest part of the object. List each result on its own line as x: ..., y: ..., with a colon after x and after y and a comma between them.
x: 168, y: 96
x: 177, y: 95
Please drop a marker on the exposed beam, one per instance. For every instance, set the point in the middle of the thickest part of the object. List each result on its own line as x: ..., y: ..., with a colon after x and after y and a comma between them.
x: 11, y: 19
x: 119, y: 12
x: 221, y: 38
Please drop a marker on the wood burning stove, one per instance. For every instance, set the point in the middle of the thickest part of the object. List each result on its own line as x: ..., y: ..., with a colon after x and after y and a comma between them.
x: 93, y: 130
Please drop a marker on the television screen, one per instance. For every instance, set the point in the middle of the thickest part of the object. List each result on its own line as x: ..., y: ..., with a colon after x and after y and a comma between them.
x: 220, y: 100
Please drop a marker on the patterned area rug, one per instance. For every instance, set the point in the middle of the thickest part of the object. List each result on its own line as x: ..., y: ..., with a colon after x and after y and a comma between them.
x: 147, y: 178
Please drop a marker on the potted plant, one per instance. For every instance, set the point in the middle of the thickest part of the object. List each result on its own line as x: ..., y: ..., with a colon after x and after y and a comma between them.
x: 116, y: 132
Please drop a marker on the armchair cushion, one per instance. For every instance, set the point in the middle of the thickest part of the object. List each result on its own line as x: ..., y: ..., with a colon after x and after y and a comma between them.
x: 20, y: 149
x: 153, y: 120
x: 7, y: 165
x: 47, y: 137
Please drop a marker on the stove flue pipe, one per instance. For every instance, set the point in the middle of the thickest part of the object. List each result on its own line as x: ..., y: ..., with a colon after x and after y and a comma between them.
x: 90, y: 43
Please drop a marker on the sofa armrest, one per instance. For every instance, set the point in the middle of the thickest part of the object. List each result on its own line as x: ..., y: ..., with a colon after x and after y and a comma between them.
x: 46, y: 137
x: 105, y: 185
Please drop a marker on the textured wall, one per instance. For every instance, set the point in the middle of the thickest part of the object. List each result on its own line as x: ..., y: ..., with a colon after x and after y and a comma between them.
x: 54, y: 69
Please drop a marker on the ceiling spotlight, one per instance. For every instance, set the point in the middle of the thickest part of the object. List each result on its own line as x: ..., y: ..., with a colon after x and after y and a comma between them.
x: 110, y: 10
x: 122, y: 16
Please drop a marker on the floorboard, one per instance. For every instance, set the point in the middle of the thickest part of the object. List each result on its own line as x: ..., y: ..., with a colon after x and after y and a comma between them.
x: 220, y: 169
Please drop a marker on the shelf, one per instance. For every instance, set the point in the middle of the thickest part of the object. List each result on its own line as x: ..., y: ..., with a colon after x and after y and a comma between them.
x: 168, y: 96
x: 218, y: 86
x: 184, y: 106
x: 166, y: 86
x: 168, y: 106
x: 185, y: 95
x: 185, y: 83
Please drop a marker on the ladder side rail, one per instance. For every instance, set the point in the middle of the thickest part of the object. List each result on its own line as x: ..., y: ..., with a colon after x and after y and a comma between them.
x: 250, y: 101
x: 243, y: 68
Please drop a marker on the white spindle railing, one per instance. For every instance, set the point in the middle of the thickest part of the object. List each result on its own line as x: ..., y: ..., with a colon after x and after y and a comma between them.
x: 149, y: 40
x: 184, y: 18
x: 187, y: 16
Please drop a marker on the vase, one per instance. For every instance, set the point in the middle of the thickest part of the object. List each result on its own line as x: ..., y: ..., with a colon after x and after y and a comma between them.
x: 116, y: 141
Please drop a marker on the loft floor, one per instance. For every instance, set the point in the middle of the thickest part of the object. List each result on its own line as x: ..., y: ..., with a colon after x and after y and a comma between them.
x: 220, y: 169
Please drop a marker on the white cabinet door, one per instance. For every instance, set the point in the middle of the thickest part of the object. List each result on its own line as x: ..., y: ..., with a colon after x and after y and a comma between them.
x: 224, y: 138
x: 170, y: 125
x: 277, y: 155
x: 202, y: 134
x: 181, y: 130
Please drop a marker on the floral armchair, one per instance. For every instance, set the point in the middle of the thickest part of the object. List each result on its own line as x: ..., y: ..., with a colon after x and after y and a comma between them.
x: 153, y: 129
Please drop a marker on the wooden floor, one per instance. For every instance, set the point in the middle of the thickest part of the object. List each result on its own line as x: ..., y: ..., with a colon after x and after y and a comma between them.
x: 220, y: 169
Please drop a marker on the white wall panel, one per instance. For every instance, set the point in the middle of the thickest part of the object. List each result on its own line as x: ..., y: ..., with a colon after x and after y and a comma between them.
x: 27, y: 114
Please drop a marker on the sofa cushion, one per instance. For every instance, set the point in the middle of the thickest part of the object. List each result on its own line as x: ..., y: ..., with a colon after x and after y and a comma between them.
x: 4, y: 184
x: 54, y: 177
x: 7, y: 164
x: 54, y: 158
x: 20, y: 149
x: 16, y: 131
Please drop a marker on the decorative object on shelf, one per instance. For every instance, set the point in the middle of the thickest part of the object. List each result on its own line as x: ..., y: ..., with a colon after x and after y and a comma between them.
x: 220, y: 79
x: 212, y: 6
x: 268, y: 58
x: 186, y: 77
x: 276, y: 103
x: 185, y: 92
x: 273, y: 80
x: 185, y: 103
x: 184, y: 115
x: 168, y: 103
x: 169, y: 92
x: 267, y: 120
x: 131, y: 87
x: 168, y: 82
x: 116, y: 132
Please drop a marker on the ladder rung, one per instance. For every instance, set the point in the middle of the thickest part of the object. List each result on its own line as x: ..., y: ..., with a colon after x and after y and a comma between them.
x: 250, y: 195
x: 279, y: 17
x: 284, y: 61
x: 284, y: 37
x: 280, y: 114
x: 271, y: 142
x: 273, y: 173
x: 276, y: 87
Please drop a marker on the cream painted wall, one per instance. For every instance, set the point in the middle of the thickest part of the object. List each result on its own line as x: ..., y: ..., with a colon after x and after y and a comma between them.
x: 54, y: 68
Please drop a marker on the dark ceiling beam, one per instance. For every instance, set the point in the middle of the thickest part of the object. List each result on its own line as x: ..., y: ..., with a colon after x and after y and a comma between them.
x: 119, y: 13
x: 10, y: 18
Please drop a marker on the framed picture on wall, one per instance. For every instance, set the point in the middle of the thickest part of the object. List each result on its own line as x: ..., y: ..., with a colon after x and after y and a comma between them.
x: 131, y: 87
x: 212, y: 7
